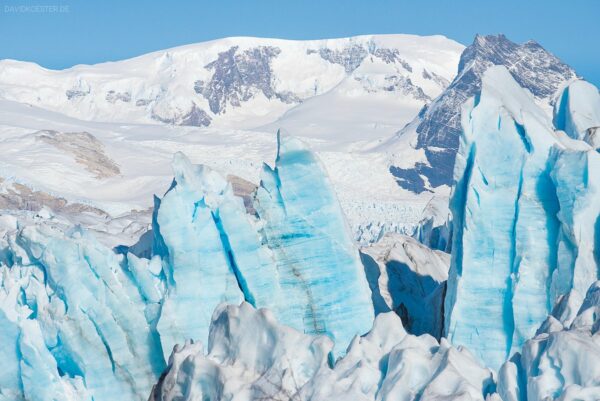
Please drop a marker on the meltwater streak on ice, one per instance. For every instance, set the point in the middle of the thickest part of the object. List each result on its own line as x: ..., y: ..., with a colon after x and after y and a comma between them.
x: 511, y: 242
x: 309, y: 273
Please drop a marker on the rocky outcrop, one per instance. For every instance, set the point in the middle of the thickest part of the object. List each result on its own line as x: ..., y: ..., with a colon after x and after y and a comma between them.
x: 438, y: 124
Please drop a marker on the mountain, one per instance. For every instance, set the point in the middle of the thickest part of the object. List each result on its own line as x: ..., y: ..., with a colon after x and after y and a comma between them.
x: 101, y: 280
x: 247, y: 82
x: 109, y: 131
x: 435, y: 132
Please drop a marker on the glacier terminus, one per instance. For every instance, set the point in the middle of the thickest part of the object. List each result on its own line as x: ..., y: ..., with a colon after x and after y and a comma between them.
x: 374, y: 218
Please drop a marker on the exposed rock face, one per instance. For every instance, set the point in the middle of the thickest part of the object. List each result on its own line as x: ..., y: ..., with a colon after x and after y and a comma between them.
x: 393, y: 83
x: 85, y: 148
x: 113, y: 97
x: 80, y: 89
x: 350, y: 57
x: 438, y: 124
x: 443, y: 82
x: 245, y: 190
x: 15, y: 196
x: 194, y: 117
x: 239, y: 76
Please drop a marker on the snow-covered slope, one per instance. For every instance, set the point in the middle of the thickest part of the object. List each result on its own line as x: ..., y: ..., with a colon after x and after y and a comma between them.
x: 222, y: 103
x: 142, y: 153
x: 247, y: 82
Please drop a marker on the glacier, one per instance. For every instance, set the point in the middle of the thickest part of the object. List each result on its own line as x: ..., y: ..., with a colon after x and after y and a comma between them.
x: 275, y: 287
x: 250, y: 356
x: 74, y: 324
x: 524, y: 206
x: 408, y: 278
x: 577, y: 112
x: 81, y: 321
x: 561, y: 361
x: 318, y: 264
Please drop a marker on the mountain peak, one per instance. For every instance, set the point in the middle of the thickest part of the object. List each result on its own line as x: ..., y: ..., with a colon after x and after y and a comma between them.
x: 438, y: 125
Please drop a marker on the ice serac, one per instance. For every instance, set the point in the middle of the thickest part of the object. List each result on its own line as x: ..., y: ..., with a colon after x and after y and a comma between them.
x: 577, y: 112
x: 251, y: 356
x: 507, y: 270
x: 319, y: 268
x: 408, y: 278
x: 561, y: 361
x: 211, y: 254
x: 576, y: 176
x: 73, y: 324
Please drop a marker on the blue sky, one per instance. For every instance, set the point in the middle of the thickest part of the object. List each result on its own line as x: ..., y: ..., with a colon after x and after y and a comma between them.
x: 86, y: 31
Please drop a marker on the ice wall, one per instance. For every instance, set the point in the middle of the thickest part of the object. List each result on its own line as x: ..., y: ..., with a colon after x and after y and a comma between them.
x: 73, y: 323
x: 211, y: 253
x: 317, y: 262
x: 513, y: 232
x: 561, y: 361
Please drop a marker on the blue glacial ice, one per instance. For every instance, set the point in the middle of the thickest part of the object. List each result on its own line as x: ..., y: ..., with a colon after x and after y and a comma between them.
x: 73, y: 322
x: 577, y: 112
x: 516, y: 246
x: 561, y: 361
x: 318, y: 264
x: 80, y: 322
